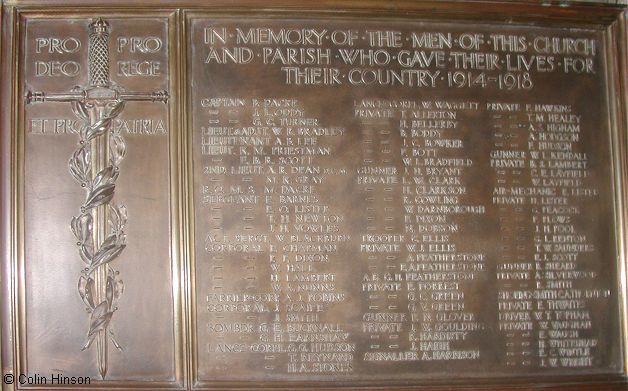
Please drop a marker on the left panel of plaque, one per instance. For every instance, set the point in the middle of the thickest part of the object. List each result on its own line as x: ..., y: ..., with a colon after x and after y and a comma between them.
x: 98, y: 285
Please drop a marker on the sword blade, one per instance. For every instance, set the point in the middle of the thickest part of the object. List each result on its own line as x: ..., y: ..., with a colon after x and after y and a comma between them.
x: 99, y: 161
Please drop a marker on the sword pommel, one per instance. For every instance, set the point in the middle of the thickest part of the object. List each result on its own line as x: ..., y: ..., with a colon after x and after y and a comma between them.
x: 99, y: 26
x: 98, y: 53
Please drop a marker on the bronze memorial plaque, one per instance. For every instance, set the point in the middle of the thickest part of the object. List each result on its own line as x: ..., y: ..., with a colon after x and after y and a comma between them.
x: 291, y: 195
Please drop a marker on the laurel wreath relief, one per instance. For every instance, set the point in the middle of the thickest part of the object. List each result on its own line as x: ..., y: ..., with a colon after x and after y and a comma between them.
x: 99, y: 188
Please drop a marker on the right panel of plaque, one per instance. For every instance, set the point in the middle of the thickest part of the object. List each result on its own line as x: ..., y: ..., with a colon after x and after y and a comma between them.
x: 400, y: 200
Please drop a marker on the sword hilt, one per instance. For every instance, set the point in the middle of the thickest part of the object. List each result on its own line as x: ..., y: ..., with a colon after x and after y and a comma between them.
x: 98, y: 54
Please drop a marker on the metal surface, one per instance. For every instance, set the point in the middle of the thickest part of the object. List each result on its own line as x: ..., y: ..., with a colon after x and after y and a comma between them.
x: 97, y: 131
x: 100, y: 153
x: 348, y: 195
x: 375, y: 232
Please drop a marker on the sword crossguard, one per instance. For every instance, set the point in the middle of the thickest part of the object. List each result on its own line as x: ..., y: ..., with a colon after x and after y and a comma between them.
x: 157, y: 96
x: 35, y: 97
x: 40, y: 96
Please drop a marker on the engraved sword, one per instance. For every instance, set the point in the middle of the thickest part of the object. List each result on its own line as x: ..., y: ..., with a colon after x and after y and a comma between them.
x: 99, y: 227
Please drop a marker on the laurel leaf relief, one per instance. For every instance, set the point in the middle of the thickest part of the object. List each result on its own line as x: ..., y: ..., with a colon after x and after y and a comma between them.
x: 108, y: 251
x: 117, y: 148
x: 117, y: 218
x: 80, y: 165
x: 86, y: 290
x: 99, y: 195
x: 82, y: 228
x: 106, y: 176
x: 99, y: 320
x: 101, y: 126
